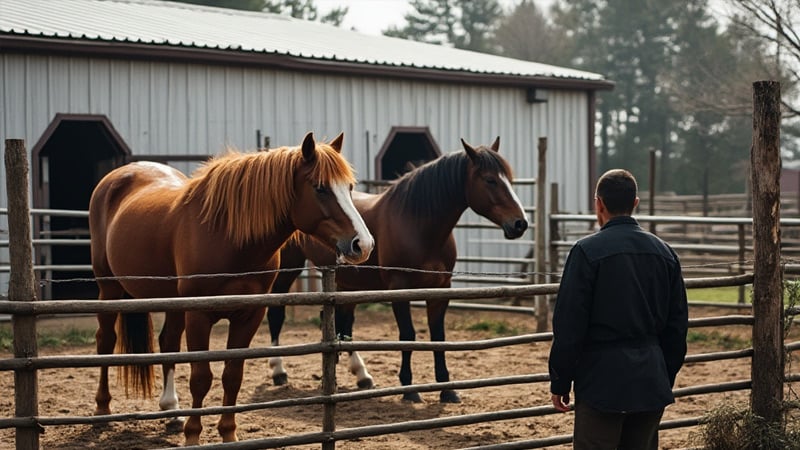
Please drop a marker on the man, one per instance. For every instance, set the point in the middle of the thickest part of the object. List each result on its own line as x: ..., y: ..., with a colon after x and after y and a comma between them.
x: 619, y: 326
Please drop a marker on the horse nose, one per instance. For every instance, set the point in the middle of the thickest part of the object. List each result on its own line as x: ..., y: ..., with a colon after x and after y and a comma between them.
x: 521, y: 225
x: 350, y: 247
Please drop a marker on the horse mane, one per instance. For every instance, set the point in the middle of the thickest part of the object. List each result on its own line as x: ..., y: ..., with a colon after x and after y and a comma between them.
x: 249, y: 195
x: 439, y: 184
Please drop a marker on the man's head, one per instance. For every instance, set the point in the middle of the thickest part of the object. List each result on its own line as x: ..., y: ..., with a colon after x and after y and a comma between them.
x: 615, y: 195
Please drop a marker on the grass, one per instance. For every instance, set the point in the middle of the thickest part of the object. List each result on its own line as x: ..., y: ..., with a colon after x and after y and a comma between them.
x: 727, y: 294
x: 731, y: 426
x: 717, y: 339
x: 50, y: 339
x: 494, y: 327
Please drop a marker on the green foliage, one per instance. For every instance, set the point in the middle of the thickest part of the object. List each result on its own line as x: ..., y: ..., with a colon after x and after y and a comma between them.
x: 791, y: 297
x: 68, y: 337
x: 725, y: 294
x: 315, y: 320
x: 731, y: 426
x: 305, y: 9
x: 526, y: 33
x: 299, y: 9
x: 717, y: 339
x: 6, y: 338
x: 494, y: 327
x: 245, y: 5
x: 466, y: 24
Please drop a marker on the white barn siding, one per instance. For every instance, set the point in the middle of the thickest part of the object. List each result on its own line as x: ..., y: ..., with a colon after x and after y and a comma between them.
x: 162, y: 108
x: 168, y: 108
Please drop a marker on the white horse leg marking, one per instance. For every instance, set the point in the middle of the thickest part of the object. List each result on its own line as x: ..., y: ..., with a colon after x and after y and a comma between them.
x: 169, y: 397
x: 276, y: 364
x: 359, y: 369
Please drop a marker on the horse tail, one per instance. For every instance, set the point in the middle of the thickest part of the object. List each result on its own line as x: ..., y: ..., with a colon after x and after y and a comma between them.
x: 135, y: 335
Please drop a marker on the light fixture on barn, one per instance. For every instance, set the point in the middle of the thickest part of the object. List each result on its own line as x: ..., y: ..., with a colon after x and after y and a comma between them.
x: 535, y: 95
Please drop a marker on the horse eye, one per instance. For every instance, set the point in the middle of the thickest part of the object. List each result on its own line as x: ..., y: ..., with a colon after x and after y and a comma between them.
x: 491, y: 181
x: 322, y: 189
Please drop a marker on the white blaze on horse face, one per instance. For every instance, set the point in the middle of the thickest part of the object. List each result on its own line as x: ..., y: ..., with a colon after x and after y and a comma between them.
x: 365, y: 239
x: 169, y: 398
x: 513, y: 194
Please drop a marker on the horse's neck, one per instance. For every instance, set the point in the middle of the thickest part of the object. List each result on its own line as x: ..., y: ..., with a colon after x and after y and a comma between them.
x: 436, y: 223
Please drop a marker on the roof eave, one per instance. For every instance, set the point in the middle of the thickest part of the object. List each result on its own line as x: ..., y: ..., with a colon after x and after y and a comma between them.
x: 164, y: 52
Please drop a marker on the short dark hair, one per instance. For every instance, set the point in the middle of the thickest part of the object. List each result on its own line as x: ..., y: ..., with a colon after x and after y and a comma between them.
x: 617, y: 189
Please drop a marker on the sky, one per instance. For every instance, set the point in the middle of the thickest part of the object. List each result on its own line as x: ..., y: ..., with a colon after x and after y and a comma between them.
x: 374, y: 16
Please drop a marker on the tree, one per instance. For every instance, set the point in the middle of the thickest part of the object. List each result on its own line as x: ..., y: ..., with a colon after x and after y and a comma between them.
x: 525, y: 33
x: 305, y: 9
x: 630, y: 42
x: 300, y: 9
x: 466, y: 24
x: 774, y: 22
x: 244, y: 5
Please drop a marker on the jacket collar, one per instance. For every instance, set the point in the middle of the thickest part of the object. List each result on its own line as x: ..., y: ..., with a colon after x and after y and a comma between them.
x: 620, y: 220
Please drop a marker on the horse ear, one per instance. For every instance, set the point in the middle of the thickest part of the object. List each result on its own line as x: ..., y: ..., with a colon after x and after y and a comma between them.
x: 337, y: 142
x: 469, y: 149
x: 309, y: 147
x: 496, y: 144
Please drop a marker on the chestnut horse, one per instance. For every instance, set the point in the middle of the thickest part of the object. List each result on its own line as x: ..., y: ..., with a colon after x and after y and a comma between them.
x: 151, y: 227
x: 412, y: 222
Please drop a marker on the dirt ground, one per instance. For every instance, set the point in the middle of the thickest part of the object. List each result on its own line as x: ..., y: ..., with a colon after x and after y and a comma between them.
x: 70, y: 392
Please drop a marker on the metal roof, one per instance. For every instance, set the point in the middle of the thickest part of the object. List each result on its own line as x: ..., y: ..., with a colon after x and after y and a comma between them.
x: 191, y: 27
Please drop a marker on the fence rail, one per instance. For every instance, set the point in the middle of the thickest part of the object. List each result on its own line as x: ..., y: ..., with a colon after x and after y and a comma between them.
x: 331, y: 298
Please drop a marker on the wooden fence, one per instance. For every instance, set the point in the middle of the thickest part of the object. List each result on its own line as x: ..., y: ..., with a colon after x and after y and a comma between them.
x: 767, y: 382
x: 27, y: 362
x: 329, y: 345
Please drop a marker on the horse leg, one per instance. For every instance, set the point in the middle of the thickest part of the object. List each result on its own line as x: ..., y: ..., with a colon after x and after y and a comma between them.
x: 198, y: 332
x: 402, y: 314
x: 106, y: 340
x: 345, y: 316
x: 436, y: 311
x: 276, y: 315
x: 291, y: 257
x: 169, y: 340
x: 242, y: 328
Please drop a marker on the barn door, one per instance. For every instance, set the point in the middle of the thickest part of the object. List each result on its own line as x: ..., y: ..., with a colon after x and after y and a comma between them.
x: 73, y: 154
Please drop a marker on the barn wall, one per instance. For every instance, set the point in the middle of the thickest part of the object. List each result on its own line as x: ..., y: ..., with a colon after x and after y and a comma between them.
x: 164, y: 108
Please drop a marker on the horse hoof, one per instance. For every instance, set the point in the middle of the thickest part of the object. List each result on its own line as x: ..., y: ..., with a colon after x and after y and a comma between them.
x: 175, y: 425
x: 280, y: 379
x: 449, y: 397
x: 412, y: 397
x: 366, y: 383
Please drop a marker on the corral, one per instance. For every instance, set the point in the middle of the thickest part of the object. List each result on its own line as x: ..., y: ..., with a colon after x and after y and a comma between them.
x: 765, y: 321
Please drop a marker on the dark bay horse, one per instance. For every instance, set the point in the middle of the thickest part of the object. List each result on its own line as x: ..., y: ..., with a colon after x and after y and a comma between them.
x: 151, y: 227
x: 412, y: 222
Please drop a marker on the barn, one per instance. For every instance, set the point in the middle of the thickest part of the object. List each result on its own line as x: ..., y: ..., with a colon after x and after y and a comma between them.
x: 93, y: 84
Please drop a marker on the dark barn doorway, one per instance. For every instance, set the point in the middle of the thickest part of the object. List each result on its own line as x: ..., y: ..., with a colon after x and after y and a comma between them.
x: 404, y: 149
x: 72, y: 155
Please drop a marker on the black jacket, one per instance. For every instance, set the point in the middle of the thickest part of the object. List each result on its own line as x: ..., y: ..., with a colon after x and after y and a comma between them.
x: 620, y: 320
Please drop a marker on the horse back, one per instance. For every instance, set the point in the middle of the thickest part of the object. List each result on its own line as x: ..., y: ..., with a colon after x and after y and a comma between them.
x: 129, y: 219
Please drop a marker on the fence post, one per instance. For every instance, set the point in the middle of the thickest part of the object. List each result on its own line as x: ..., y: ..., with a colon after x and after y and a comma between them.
x: 21, y: 287
x: 328, y: 357
x: 765, y: 161
x: 542, y: 303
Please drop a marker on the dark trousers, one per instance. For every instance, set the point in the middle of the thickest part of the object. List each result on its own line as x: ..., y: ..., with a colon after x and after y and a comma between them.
x: 598, y: 430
